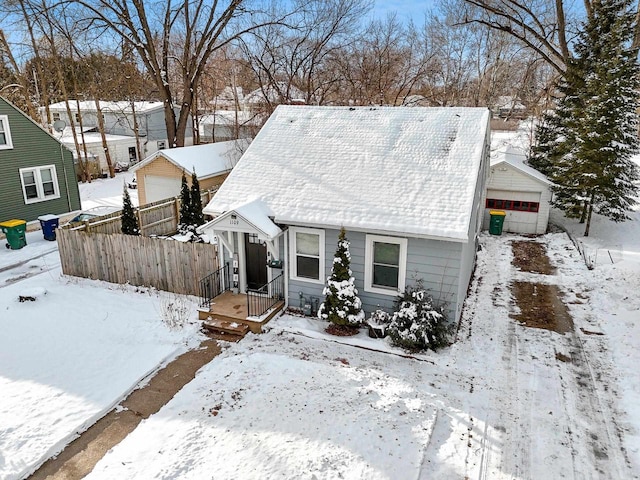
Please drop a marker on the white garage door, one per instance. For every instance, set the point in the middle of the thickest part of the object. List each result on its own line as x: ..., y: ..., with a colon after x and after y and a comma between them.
x: 159, y: 188
x: 517, y: 221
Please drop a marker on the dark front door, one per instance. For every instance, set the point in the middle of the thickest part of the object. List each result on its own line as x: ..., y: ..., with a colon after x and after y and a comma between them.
x: 256, y: 256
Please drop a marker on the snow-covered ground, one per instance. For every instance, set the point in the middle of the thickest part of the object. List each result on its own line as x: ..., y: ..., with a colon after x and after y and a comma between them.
x: 107, y: 191
x: 505, y: 401
x: 69, y: 356
x: 296, y: 403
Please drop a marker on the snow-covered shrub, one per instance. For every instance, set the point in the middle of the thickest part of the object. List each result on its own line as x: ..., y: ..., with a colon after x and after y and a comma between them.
x: 417, y: 324
x: 341, y: 305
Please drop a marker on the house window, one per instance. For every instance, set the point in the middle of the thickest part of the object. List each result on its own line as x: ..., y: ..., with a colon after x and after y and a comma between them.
x: 55, y: 116
x: 5, y: 133
x: 132, y: 154
x: 512, y: 205
x: 307, y: 254
x: 78, y: 117
x: 39, y: 184
x: 385, y: 268
x: 161, y: 145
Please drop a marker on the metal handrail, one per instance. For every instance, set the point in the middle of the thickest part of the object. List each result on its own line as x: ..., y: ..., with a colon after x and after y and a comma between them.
x: 214, y: 284
x: 260, y: 300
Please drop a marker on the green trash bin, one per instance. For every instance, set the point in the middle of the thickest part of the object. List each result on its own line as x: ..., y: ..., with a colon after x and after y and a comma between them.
x: 15, y: 230
x: 496, y: 222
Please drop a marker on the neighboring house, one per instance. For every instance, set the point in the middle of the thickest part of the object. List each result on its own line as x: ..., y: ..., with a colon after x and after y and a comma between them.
x: 224, y: 125
x: 522, y: 192
x: 37, y: 171
x: 120, y: 118
x: 159, y: 176
x: 407, y: 184
x: 122, y: 149
x: 509, y: 107
x: 280, y: 93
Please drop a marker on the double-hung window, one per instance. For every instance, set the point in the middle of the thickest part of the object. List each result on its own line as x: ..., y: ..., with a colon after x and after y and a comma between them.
x: 386, y: 264
x: 5, y: 133
x: 307, y: 254
x: 39, y: 183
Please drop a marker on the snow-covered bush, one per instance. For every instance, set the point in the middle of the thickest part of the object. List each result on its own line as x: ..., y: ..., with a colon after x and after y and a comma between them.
x: 417, y: 324
x: 341, y: 306
x: 378, y: 323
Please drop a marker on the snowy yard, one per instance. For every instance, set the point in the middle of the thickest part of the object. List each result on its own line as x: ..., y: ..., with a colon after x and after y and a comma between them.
x: 505, y: 401
x: 69, y: 356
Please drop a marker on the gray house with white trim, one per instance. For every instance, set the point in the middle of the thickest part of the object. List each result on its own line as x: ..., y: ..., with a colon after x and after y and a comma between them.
x: 407, y: 184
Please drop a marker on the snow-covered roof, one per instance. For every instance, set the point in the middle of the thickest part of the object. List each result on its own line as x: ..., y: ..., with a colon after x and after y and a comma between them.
x: 275, y: 93
x: 114, y: 107
x: 516, y: 157
x: 406, y: 170
x: 228, y: 117
x: 91, y: 137
x: 207, y: 160
x: 256, y: 213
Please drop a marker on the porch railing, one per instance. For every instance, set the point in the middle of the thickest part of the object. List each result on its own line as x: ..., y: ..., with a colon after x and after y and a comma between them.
x: 260, y: 300
x: 214, y: 284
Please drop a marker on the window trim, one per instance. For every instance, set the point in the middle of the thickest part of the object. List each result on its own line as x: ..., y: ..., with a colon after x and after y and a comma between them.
x: 39, y: 187
x: 500, y: 204
x: 368, y: 267
x: 7, y: 133
x: 293, y: 271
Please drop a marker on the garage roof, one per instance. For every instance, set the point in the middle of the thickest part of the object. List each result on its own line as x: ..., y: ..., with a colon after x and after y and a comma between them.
x: 207, y: 160
x: 516, y: 157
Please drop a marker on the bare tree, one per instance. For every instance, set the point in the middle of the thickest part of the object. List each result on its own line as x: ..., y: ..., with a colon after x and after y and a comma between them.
x: 179, y: 36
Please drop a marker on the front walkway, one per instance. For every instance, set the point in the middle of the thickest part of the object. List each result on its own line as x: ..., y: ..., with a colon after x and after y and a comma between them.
x: 80, y: 456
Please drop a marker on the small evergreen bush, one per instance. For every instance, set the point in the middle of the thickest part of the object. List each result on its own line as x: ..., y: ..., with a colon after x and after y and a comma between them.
x: 341, y: 306
x: 186, y: 218
x: 128, y: 218
x: 417, y: 324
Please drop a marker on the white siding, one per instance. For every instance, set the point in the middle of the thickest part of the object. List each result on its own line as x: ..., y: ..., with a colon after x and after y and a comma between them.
x: 508, y: 183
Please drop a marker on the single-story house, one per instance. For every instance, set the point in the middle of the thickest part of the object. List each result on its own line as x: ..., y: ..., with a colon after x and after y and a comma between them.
x: 38, y: 176
x: 519, y: 190
x: 407, y: 184
x: 159, y: 176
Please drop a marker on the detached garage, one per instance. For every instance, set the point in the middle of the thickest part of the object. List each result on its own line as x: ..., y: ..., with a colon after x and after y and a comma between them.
x: 159, y: 176
x: 522, y: 192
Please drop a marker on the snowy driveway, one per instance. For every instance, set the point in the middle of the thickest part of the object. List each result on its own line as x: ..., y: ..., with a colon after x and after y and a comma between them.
x: 505, y: 401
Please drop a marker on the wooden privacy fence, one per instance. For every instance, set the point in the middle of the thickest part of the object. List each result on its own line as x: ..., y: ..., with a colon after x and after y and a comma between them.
x: 157, y: 218
x: 161, y: 263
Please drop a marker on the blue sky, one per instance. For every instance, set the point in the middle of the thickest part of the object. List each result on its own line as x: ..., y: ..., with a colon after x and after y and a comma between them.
x: 406, y: 9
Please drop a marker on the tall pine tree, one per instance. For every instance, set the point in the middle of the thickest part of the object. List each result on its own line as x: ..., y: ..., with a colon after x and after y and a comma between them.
x: 197, y: 216
x: 341, y: 304
x: 186, y: 218
x: 596, y: 122
x: 128, y: 218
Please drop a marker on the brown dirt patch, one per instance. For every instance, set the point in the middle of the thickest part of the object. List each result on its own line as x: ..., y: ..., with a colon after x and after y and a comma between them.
x: 341, y: 330
x: 541, y: 306
x: 562, y: 357
x: 531, y: 257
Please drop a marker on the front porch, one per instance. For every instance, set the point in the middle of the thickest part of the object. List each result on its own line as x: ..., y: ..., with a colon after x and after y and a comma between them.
x: 236, y: 313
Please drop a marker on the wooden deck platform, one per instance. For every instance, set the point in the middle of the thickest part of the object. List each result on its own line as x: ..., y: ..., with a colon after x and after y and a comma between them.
x: 232, y: 307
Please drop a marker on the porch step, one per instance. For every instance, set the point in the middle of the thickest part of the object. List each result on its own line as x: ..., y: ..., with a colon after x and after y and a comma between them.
x: 216, y: 325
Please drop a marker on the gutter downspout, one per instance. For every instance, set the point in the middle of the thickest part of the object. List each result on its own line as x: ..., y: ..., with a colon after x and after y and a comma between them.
x: 286, y: 269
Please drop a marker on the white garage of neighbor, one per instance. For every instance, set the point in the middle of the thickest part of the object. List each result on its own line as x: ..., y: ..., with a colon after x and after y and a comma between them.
x: 522, y: 192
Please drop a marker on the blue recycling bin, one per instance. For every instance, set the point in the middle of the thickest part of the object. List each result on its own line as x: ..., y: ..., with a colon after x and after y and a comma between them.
x: 49, y: 223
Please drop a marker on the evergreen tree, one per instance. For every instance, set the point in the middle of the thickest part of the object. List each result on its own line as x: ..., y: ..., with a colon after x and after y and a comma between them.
x: 596, y: 121
x: 185, y: 206
x: 341, y: 305
x: 128, y: 218
x: 197, y: 216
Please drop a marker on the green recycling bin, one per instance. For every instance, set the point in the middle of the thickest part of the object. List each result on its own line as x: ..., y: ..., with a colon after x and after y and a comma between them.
x: 15, y: 230
x: 496, y: 222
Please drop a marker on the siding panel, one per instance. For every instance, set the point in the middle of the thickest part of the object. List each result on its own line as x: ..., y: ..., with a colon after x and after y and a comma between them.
x: 436, y: 262
x: 33, y: 147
